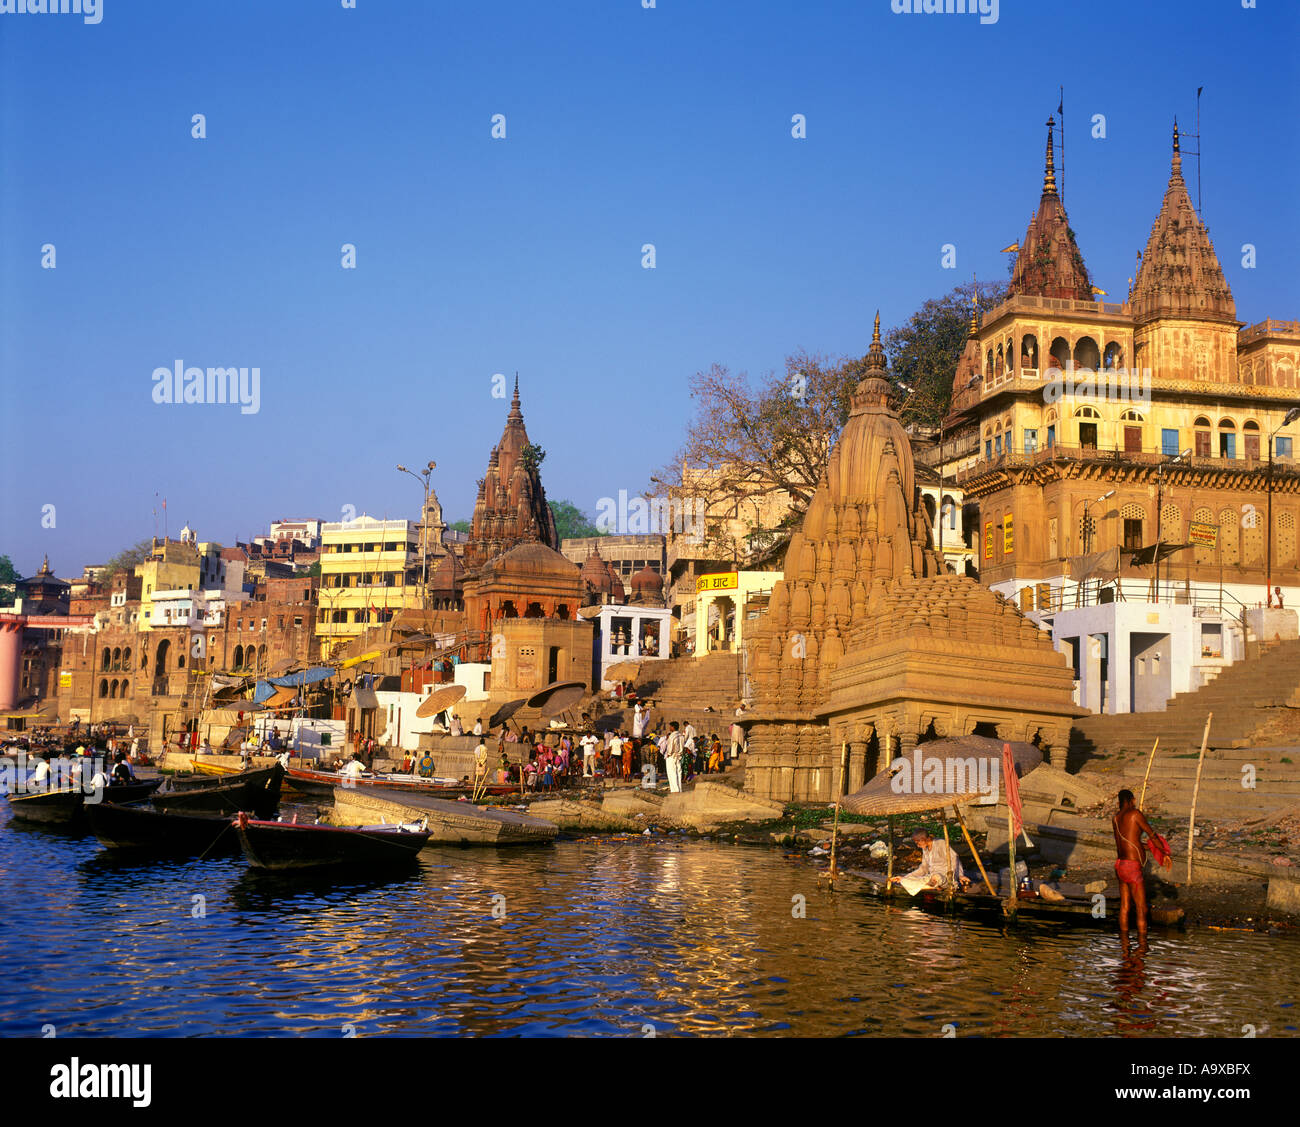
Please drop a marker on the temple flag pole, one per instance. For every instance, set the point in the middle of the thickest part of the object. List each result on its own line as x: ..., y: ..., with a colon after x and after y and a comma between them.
x: 974, y: 852
x: 1191, y: 821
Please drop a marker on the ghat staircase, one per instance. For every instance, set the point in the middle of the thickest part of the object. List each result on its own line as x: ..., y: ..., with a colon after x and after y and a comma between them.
x: 1255, y: 733
x: 683, y: 689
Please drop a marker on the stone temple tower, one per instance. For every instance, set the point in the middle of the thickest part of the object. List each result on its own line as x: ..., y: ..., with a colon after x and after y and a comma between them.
x: 868, y: 647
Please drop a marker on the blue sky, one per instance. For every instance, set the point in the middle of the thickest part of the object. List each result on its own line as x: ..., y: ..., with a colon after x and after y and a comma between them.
x: 475, y: 256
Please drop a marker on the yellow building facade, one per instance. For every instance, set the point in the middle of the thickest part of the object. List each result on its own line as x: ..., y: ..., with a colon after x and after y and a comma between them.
x: 369, y: 572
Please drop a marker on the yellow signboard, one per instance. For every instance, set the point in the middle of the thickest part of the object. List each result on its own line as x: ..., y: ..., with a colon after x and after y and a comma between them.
x: 988, y: 540
x: 1200, y: 533
x: 65, y: 680
x: 1008, y: 538
x: 718, y: 581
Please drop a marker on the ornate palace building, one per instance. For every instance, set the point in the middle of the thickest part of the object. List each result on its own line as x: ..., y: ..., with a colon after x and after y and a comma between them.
x: 1150, y: 435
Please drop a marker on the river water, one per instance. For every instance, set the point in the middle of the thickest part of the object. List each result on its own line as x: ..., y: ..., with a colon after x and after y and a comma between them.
x: 634, y: 936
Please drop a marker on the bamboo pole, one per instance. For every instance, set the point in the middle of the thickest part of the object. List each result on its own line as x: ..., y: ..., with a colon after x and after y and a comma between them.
x: 835, y: 829
x: 974, y: 852
x: 1145, y: 777
x: 1196, y: 790
x: 889, y: 865
x: 952, y: 873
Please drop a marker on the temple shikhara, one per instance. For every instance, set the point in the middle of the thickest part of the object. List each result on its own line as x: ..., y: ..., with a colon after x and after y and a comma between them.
x: 867, y: 643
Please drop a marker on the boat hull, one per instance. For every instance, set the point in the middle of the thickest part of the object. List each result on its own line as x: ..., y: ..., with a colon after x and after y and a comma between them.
x: 322, y: 784
x: 201, y: 780
x: 283, y: 846
x: 140, y: 829
x: 67, y: 807
x: 260, y: 796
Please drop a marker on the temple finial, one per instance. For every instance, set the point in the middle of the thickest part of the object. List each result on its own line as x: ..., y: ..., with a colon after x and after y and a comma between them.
x: 1049, y: 172
x: 875, y: 332
x: 876, y: 354
x: 974, y: 308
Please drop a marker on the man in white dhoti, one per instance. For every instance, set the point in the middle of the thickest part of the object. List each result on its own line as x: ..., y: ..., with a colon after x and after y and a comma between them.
x: 638, y: 721
x: 674, y: 749
x: 940, y: 866
x: 738, y: 734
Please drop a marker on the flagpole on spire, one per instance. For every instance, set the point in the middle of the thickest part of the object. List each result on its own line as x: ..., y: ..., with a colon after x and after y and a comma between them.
x: 1060, y: 110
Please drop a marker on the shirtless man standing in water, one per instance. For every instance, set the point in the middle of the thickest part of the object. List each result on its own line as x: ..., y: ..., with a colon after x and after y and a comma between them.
x: 1129, y: 825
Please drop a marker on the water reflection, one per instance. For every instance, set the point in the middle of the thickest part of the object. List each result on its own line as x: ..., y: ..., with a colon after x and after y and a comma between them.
x: 590, y: 936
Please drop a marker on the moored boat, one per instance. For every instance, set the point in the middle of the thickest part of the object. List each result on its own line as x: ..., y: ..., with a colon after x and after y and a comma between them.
x: 66, y: 805
x: 142, y: 829
x: 322, y: 784
x: 292, y: 845
x: 255, y: 791
x: 199, y: 780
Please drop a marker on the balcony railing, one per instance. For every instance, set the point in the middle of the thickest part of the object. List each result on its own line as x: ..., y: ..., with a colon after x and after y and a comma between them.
x: 1119, y: 455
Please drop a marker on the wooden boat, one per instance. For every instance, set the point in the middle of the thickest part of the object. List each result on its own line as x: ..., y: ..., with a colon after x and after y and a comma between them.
x: 255, y: 791
x: 198, y: 780
x: 66, y: 805
x: 291, y: 845
x: 140, y: 828
x: 322, y: 783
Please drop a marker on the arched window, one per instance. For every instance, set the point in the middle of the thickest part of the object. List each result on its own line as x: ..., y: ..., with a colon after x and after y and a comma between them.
x: 1132, y: 519
x: 1227, y: 438
x: 125, y: 690
x: 1087, y: 417
x: 239, y: 655
x: 949, y: 513
x: 1171, y: 524
x: 1029, y: 353
x: 1087, y: 356
x: 1229, y: 538
x: 1003, y: 367
x: 1132, y: 422
x: 1114, y: 357
x: 1250, y: 439
x: 1284, y: 540
x: 1201, y: 435
x: 108, y: 659
x: 1060, y: 354
x: 103, y: 688
x: 126, y: 658
x: 1132, y: 416
x: 1050, y: 420
x: 988, y: 366
x: 112, y: 689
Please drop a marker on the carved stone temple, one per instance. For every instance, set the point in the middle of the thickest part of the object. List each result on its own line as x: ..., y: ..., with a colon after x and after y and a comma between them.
x: 867, y: 643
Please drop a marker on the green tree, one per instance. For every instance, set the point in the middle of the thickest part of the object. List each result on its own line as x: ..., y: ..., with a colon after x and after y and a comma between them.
x: 532, y: 457
x: 460, y: 526
x: 924, y: 350
x: 127, y: 558
x: 571, y: 521
x: 8, y: 577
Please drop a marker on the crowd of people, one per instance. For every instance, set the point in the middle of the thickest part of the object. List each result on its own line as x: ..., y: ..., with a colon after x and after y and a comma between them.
x: 585, y: 754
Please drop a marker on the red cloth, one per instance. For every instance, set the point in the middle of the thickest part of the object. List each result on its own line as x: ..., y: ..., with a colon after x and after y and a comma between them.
x: 1130, y: 872
x: 1161, y: 852
x: 1012, y: 785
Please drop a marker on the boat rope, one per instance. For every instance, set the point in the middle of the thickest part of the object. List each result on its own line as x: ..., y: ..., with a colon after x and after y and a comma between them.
x: 215, y: 840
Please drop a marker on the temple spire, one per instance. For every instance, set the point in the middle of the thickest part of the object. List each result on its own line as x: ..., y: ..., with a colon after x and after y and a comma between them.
x: 876, y: 355
x: 1176, y: 165
x: 974, y: 308
x: 1049, y: 171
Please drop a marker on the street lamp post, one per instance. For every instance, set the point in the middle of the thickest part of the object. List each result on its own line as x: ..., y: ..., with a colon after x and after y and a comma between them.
x: 424, y: 531
x: 1160, y: 483
x: 1287, y: 420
